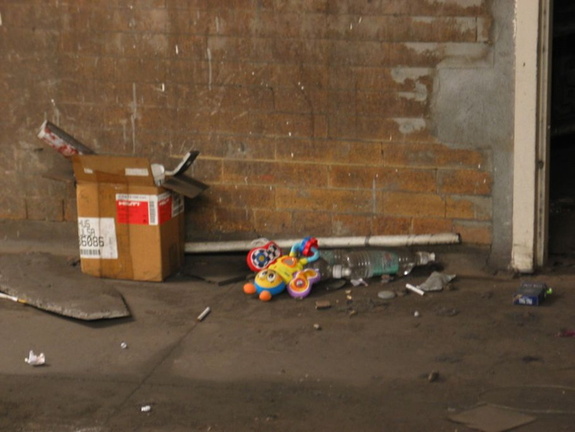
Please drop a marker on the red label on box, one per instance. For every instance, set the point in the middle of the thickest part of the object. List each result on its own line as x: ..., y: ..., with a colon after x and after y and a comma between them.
x: 143, y: 209
x: 132, y: 211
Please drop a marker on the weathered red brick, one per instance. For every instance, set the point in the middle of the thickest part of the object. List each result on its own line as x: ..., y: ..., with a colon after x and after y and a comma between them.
x: 150, y: 19
x: 404, y: 104
x: 351, y: 225
x: 432, y: 225
x: 268, y: 173
x: 327, y: 152
x: 378, y: 178
x: 291, y: 24
x: 272, y: 222
x: 298, y: 99
x: 412, y: 204
x: 464, y: 182
x: 391, y: 225
x: 431, y: 155
x: 201, y: 217
x: 242, y: 196
x: 466, y: 207
x: 229, y: 220
x: 324, y: 200
x: 317, y: 224
x: 474, y: 232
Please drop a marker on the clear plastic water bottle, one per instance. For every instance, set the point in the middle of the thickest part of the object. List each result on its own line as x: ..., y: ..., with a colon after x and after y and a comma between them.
x: 328, y: 259
x: 363, y: 264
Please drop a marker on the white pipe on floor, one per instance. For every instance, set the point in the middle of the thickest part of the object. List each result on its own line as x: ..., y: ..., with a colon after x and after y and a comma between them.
x: 328, y: 242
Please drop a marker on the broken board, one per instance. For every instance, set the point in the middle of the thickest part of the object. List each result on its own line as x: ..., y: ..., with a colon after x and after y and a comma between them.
x: 53, y: 283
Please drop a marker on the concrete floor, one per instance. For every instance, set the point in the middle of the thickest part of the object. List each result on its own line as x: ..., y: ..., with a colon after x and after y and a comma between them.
x: 253, y: 366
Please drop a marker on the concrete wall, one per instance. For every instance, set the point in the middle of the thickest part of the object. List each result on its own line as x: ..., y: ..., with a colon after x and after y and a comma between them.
x: 472, y: 108
x: 313, y: 117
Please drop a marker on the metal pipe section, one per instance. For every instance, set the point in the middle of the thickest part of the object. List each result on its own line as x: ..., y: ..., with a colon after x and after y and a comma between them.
x: 328, y: 242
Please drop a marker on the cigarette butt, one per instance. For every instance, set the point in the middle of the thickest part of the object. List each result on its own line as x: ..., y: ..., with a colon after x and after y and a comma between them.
x: 203, y: 314
x: 414, y: 289
x: 13, y: 298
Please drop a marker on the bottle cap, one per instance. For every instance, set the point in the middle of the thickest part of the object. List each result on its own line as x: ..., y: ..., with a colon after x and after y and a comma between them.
x: 337, y: 271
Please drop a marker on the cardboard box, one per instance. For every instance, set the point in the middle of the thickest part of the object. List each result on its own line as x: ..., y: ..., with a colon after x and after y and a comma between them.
x: 128, y: 226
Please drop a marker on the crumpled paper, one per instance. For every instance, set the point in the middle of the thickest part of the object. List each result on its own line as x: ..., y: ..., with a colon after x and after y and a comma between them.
x: 436, y: 282
x: 35, y: 360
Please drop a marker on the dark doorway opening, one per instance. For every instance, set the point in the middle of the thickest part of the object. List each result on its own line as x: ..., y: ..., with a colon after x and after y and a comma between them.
x: 562, y: 138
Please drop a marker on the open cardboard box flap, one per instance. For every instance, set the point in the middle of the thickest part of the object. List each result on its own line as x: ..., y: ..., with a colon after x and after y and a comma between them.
x: 135, y: 171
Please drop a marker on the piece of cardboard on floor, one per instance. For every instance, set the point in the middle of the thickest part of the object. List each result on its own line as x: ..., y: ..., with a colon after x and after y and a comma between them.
x: 51, y: 283
x: 488, y: 418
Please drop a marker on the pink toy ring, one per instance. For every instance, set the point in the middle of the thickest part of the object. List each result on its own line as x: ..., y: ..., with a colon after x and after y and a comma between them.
x: 302, y: 282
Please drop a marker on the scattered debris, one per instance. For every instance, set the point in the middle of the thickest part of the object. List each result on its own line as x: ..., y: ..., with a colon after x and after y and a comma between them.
x: 322, y: 304
x: 276, y: 273
x: 436, y: 282
x: 433, y: 376
x: 146, y: 408
x: 386, y: 295
x: 35, y: 360
x: 358, y: 282
x: 203, y: 314
x: 531, y: 293
x: 414, y: 289
x: 124, y: 345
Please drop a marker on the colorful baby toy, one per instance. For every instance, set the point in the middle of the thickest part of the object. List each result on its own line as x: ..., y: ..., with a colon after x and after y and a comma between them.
x: 278, y: 272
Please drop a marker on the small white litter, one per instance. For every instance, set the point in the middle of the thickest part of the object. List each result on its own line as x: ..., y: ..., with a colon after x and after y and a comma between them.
x: 35, y: 360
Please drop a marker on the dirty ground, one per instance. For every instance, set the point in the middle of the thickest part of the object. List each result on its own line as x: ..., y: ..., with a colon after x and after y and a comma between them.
x: 364, y: 364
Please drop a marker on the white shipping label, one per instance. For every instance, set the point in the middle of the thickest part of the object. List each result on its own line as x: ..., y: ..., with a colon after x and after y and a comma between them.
x: 136, y: 172
x: 97, y: 238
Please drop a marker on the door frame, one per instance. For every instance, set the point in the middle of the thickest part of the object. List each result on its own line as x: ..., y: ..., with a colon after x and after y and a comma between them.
x: 533, y: 37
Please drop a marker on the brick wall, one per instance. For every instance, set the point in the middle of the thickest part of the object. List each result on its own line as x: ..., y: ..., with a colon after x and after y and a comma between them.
x: 313, y: 117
